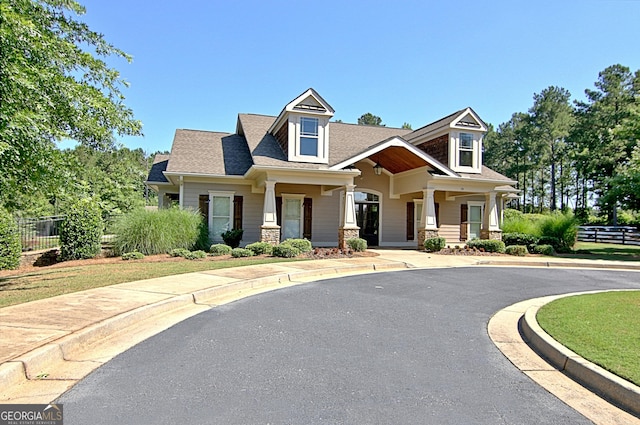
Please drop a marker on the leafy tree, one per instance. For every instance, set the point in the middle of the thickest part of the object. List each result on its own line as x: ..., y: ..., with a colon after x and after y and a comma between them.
x: 551, y: 120
x: 407, y: 126
x: 603, y: 135
x: 370, y: 119
x: 54, y: 85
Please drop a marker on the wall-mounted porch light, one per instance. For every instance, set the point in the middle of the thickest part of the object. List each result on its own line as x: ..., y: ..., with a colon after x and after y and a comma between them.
x: 377, y: 169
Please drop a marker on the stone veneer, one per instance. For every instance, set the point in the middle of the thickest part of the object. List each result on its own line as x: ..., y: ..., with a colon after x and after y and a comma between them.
x: 491, y: 234
x: 270, y: 234
x: 345, y: 234
x: 424, y: 234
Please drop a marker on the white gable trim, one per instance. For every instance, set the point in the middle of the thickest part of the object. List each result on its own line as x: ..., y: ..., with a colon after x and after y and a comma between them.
x: 291, y: 107
x: 399, y: 142
x: 456, y: 122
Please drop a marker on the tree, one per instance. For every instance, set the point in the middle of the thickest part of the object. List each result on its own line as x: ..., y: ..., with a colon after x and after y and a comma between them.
x: 370, y: 119
x: 603, y: 137
x: 551, y: 119
x: 54, y: 85
x: 407, y: 126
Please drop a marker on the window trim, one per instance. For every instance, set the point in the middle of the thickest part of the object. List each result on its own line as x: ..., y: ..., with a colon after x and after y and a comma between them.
x: 294, y: 196
x: 471, y: 204
x: 466, y: 149
x: 220, y: 194
x: 308, y: 136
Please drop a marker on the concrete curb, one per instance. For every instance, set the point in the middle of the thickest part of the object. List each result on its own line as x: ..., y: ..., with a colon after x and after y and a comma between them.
x: 611, y: 387
x: 515, y: 263
x: 29, y: 366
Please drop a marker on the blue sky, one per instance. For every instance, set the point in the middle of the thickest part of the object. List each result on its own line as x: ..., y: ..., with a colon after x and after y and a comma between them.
x: 197, y: 64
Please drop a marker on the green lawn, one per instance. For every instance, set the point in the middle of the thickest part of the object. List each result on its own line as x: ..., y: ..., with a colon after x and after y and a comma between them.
x: 603, y: 328
x: 604, y: 251
x: 51, y: 281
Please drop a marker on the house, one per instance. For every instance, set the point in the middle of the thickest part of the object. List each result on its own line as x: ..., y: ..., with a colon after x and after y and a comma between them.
x: 299, y: 175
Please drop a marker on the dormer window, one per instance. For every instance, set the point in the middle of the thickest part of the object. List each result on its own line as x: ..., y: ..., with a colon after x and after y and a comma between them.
x: 309, y: 136
x: 465, y: 157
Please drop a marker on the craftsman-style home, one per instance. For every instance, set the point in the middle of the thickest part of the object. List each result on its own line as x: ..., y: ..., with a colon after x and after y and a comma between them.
x: 300, y: 175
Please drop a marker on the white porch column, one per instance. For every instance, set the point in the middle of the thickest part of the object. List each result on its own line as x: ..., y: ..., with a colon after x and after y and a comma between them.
x: 348, y: 220
x: 429, y: 210
x: 181, y: 200
x: 269, y: 215
x: 270, y: 231
x: 348, y: 224
x: 491, y: 213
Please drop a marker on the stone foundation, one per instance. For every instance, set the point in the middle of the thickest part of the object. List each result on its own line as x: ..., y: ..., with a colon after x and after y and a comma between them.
x: 424, y: 234
x: 270, y: 234
x: 491, y: 234
x: 345, y: 234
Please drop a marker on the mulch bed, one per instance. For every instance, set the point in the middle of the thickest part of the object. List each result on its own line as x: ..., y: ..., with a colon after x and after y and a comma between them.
x: 467, y: 251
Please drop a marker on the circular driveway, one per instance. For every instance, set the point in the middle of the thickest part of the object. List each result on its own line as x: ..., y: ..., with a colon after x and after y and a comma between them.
x: 407, y: 347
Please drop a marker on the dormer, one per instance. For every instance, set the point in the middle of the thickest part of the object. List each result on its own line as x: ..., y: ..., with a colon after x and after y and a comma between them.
x: 455, y: 140
x: 302, y: 128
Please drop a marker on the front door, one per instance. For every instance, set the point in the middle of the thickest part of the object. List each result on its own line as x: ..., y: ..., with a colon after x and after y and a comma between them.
x: 367, y: 216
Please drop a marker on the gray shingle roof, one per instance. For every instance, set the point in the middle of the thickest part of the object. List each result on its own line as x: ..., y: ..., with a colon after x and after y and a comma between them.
x: 207, y: 152
x: 159, y: 165
x: 486, y: 173
x: 442, y: 122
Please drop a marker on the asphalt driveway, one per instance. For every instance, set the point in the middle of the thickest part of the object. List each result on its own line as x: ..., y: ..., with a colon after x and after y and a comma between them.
x: 407, y: 347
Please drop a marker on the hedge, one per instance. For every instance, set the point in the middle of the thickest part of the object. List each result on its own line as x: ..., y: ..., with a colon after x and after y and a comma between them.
x: 489, y: 245
x: 10, y: 246
x: 434, y: 244
x: 81, y: 230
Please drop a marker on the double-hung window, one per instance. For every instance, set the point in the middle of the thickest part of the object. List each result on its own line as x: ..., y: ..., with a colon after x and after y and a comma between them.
x: 221, y: 207
x: 308, y: 136
x: 465, y: 150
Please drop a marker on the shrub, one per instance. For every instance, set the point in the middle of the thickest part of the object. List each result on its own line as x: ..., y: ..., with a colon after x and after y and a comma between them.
x: 520, y: 239
x: 550, y: 240
x: 241, y: 252
x: 157, y: 232
x: 260, y: 248
x: 357, y: 244
x: 285, y: 251
x: 544, y: 250
x: 489, y: 245
x: 195, y: 255
x: 518, y: 250
x: 220, y: 249
x: 10, y: 246
x: 303, y: 245
x: 81, y: 230
x: 204, y: 241
x: 179, y: 252
x: 232, y: 237
x: 434, y: 244
x: 561, y: 226
x: 135, y: 255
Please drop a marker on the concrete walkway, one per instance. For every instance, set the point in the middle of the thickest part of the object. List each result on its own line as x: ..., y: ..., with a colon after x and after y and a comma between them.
x: 46, y: 346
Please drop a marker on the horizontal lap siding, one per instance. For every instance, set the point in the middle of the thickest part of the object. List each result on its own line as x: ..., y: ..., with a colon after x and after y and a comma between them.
x: 450, y: 216
x: 251, y: 208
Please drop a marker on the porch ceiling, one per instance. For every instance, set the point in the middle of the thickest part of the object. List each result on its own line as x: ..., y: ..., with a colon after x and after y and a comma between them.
x: 396, y: 159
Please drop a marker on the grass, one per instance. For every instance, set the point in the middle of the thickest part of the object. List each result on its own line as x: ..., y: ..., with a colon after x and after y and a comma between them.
x: 603, y: 328
x: 604, y: 251
x: 49, y: 282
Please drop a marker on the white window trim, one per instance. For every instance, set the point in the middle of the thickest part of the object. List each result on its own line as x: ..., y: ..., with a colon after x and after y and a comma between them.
x: 295, y: 130
x: 417, y: 218
x: 219, y: 194
x: 454, y: 152
x: 295, y: 196
x: 474, y: 204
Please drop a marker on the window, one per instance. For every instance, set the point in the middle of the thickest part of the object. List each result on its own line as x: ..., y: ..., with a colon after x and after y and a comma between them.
x: 292, y: 216
x: 308, y: 136
x: 221, y: 207
x: 475, y: 220
x: 465, y: 150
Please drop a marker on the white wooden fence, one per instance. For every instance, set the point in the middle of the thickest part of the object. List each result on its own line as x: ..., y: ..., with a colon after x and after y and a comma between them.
x: 625, y: 235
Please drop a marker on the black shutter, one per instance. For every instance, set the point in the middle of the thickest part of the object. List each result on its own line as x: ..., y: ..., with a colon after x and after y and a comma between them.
x: 410, y: 220
x: 463, y: 221
x: 237, y: 212
x: 307, y: 208
x: 203, y: 205
x: 437, y: 215
x: 279, y: 210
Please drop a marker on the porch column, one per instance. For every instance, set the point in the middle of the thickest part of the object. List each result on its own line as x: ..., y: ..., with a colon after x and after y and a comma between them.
x: 181, y: 200
x: 490, y: 222
x: 348, y: 224
x: 270, y: 231
x: 428, y: 218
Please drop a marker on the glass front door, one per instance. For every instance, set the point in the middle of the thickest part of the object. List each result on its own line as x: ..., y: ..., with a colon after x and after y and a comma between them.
x: 367, y: 217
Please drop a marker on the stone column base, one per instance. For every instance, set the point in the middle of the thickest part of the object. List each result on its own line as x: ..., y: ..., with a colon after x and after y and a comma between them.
x: 491, y: 234
x: 345, y: 234
x: 270, y: 234
x: 424, y: 234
